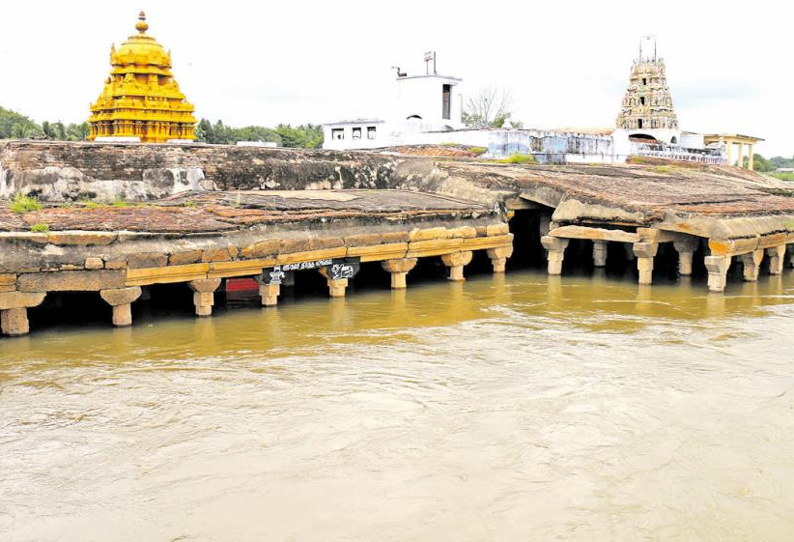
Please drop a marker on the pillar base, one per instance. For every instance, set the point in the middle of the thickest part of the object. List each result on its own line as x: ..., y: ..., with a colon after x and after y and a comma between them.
x: 269, y: 294
x: 556, y: 252
x: 776, y: 257
x: 499, y: 257
x: 204, y: 295
x: 121, y: 300
x: 337, y: 287
x: 718, y: 272
x: 600, y: 253
x: 645, y: 252
x: 686, y: 250
x: 456, y: 262
x: 14, y: 321
x: 752, y: 264
x: 399, y: 271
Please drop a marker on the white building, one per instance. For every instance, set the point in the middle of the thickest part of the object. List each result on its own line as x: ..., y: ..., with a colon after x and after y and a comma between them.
x: 422, y: 104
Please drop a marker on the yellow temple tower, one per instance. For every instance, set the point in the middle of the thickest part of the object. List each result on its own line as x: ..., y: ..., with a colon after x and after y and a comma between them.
x: 141, y: 100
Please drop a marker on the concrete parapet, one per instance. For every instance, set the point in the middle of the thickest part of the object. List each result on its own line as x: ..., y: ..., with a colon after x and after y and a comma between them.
x: 456, y: 262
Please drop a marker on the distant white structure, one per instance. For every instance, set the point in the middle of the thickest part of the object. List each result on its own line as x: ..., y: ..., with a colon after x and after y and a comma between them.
x: 427, y: 111
x: 423, y: 103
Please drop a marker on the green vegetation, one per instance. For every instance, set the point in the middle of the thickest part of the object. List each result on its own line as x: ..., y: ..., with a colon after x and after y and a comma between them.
x: 783, y: 176
x: 190, y: 204
x: 518, y: 159
x: 24, y: 204
x: 40, y: 228
x: 17, y: 126
x: 120, y: 202
x: 307, y: 136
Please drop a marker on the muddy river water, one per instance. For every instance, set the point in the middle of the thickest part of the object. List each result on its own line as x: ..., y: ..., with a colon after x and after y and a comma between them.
x: 521, y: 407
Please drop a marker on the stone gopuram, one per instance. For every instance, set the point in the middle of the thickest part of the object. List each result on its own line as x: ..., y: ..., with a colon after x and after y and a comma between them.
x: 647, y: 108
x: 141, y: 100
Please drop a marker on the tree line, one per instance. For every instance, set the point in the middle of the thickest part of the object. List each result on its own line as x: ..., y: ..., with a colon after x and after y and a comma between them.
x: 14, y: 125
x: 308, y: 136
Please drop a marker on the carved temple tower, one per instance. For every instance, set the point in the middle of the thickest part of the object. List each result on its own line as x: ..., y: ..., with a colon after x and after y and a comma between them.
x: 141, y: 100
x: 647, y: 105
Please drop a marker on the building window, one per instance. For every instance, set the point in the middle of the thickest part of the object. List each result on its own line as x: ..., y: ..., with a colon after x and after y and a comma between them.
x: 446, y: 101
x: 639, y: 124
x: 644, y: 81
x: 371, y: 132
x: 642, y: 100
x: 337, y: 133
x: 357, y: 133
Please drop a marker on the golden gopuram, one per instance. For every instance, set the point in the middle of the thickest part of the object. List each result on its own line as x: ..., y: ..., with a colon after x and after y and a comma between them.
x: 141, y: 99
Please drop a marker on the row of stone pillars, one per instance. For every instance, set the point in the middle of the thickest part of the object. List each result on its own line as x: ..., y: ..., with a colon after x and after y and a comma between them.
x: 14, y: 305
x: 644, y: 253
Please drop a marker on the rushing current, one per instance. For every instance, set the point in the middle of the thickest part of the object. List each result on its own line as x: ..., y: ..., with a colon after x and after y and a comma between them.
x: 520, y: 407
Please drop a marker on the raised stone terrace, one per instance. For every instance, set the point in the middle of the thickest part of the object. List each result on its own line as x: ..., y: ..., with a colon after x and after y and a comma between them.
x: 122, y: 217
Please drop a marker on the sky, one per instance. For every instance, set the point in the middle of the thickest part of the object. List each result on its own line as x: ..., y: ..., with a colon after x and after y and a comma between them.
x: 566, y: 64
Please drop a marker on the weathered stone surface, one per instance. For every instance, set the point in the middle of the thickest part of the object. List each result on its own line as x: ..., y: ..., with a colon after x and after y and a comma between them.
x: 70, y: 281
x: 17, y: 300
x: 368, y: 239
x: 261, y: 249
x: 81, y: 238
x: 220, y: 254
x: 288, y: 246
x: 464, y: 232
x: 93, y: 262
x: 428, y: 234
x: 14, y: 322
x: 120, y: 296
x: 497, y: 229
x: 8, y: 282
x: 717, y: 267
x: 146, y: 259
x: 118, y: 264
x: 403, y: 265
x: 185, y: 257
x: 204, y: 285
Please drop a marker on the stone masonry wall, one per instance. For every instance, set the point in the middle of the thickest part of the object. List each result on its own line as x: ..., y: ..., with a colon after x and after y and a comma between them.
x: 67, y: 171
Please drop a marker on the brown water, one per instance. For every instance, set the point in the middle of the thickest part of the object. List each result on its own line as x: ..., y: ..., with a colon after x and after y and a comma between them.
x: 510, y: 408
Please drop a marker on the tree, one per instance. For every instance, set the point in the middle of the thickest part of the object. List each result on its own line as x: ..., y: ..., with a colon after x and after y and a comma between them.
x: 760, y: 163
x: 488, y: 108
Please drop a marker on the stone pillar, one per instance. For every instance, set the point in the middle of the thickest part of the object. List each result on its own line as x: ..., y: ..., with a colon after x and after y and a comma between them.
x: 204, y: 295
x: 752, y: 264
x: 121, y: 300
x: 776, y: 257
x: 686, y: 250
x: 645, y: 253
x: 740, y: 161
x: 269, y: 294
x: 600, y: 253
x: 729, y: 152
x: 499, y: 257
x: 399, y: 271
x: 14, y: 311
x: 629, y: 252
x: 456, y: 261
x: 750, y: 158
x: 556, y: 252
x: 718, y: 272
x: 545, y: 224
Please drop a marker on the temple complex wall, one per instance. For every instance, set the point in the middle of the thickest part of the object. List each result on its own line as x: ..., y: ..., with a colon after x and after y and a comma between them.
x: 65, y: 171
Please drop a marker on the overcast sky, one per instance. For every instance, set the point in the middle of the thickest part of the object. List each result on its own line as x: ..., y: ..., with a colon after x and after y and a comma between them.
x: 729, y: 64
